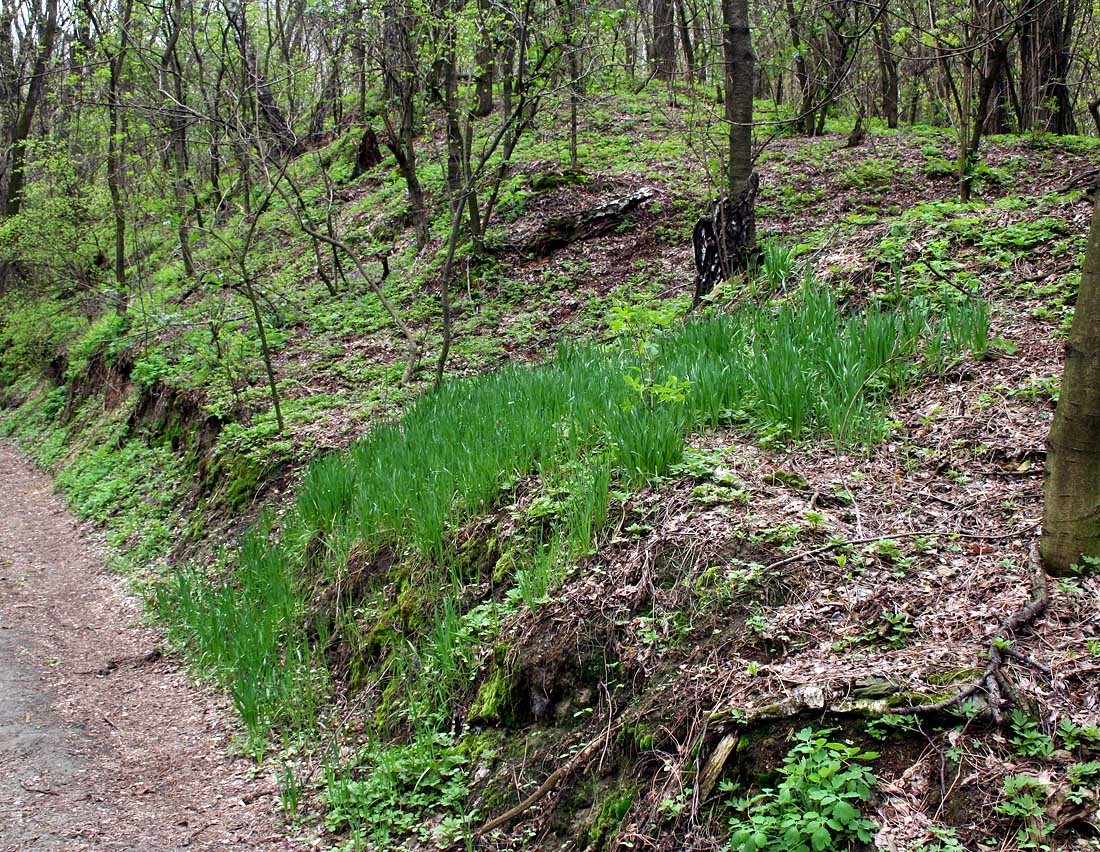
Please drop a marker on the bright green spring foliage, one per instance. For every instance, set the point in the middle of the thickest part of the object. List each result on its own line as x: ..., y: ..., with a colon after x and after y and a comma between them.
x: 384, y: 799
x: 784, y: 373
x: 816, y: 804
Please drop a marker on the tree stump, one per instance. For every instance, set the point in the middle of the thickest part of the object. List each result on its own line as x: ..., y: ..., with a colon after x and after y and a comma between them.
x: 368, y: 156
x: 725, y: 241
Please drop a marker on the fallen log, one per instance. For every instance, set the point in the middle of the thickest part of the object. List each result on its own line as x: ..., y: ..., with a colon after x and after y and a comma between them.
x: 560, y: 231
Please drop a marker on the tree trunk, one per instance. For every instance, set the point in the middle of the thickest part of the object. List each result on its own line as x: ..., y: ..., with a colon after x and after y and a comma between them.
x: 837, y: 45
x: 115, y: 152
x: 9, y: 76
x: 171, y: 80
x: 572, y: 48
x: 805, y: 120
x: 281, y: 134
x: 664, y: 40
x: 483, y: 83
x: 1045, y: 31
x: 13, y: 196
x: 1058, y: 41
x: 888, y: 66
x: 993, y: 64
x: 740, y: 64
x: 725, y: 241
x: 1071, y: 512
x: 447, y: 78
x: 399, y: 71
x: 685, y: 40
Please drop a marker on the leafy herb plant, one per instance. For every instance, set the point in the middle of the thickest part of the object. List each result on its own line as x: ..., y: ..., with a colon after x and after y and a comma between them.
x: 816, y: 804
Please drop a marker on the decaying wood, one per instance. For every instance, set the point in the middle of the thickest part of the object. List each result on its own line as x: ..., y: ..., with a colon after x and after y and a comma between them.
x: 1086, y: 179
x: 596, y: 221
x: 368, y: 155
x: 715, y: 763
x: 724, y: 241
x: 868, y: 698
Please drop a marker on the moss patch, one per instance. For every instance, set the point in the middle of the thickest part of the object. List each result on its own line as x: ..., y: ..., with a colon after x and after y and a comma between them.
x: 610, y: 817
x: 494, y: 699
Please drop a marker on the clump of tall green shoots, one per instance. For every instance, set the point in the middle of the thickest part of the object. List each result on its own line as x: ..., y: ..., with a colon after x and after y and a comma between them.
x: 783, y: 372
x: 647, y: 431
x: 617, y: 412
x: 249, y: 634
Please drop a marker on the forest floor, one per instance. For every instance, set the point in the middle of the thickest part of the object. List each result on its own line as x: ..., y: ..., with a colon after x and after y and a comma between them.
x: 104, y: 744
x: 760, y: 586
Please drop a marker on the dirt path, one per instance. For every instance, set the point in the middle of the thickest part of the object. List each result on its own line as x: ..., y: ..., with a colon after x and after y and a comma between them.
x: 103, y: 743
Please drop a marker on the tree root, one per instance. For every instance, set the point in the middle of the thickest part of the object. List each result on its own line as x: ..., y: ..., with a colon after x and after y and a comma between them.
x: 1001, y: 695
x: 566, y: 769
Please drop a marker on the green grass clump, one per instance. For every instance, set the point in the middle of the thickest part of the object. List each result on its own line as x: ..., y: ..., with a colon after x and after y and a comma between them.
x: 249, y: 634
x: 785, y: 372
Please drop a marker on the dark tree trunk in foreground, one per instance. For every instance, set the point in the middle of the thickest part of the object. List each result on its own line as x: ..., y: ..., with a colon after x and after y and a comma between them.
x: 725, y: 241
x: 1071, y: 514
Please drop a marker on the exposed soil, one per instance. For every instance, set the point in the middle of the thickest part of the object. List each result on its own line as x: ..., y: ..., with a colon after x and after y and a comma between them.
x: 104, y: 744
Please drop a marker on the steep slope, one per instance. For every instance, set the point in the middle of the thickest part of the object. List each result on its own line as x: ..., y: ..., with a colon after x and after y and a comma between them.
x: 618, y: 583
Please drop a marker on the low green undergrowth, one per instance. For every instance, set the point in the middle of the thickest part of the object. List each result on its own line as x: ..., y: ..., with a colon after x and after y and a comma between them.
x: 816, y: 804
x: 383, y: 794
x: 124, y: 486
